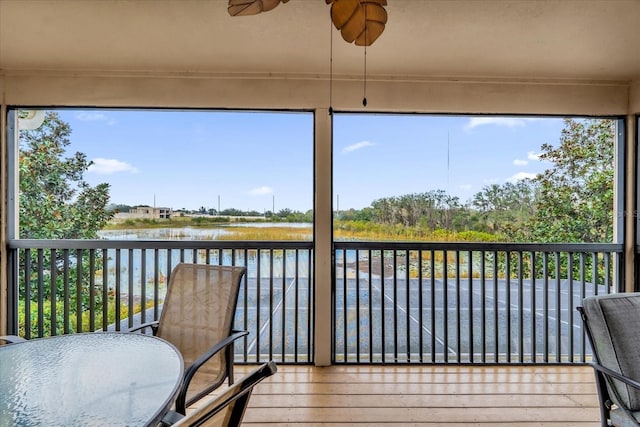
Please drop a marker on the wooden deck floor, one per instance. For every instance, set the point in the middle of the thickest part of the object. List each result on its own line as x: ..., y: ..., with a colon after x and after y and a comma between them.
x: 450, y: 396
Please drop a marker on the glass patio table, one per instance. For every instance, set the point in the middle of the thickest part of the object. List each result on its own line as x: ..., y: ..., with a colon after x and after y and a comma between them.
x: 97, y: 379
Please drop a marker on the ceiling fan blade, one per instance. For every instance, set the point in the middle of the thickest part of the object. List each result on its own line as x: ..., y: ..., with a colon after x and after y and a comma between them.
x: 342, y: 11
x: 362, y: 21
x: 376, y: 18
x: 251, y: 7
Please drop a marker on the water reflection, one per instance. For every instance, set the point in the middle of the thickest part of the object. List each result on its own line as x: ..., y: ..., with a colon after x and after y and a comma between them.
x: 189, y: 233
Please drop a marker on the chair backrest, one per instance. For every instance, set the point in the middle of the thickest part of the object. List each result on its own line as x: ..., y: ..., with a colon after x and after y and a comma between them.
x: 198, y: 312
x: 228, y: 408
x: 613, y: 322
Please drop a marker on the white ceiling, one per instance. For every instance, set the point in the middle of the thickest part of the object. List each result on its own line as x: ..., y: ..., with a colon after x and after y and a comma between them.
x: 466, y: 39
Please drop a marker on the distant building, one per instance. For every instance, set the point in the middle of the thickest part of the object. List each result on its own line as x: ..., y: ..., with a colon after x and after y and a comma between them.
x: 149, y: 212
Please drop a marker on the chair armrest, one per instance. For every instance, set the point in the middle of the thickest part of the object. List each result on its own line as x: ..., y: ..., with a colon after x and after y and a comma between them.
x: 191, y: 371
x: 153, y: 325
x: 11, y: 339
x: 171, y: 418
x: 608, y: 372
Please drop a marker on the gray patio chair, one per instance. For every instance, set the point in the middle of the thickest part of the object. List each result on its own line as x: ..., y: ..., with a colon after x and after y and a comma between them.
x: 226, y: 409
x: 612, y: 324
x: 10, y: 339
x: 197, y: 317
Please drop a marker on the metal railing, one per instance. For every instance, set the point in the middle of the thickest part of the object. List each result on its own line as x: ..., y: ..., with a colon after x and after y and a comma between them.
x: 393, y: 302
x: 71, y: 286
x: 466, y: 302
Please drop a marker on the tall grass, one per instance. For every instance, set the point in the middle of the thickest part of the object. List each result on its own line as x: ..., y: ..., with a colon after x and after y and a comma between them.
x: 267, y: 233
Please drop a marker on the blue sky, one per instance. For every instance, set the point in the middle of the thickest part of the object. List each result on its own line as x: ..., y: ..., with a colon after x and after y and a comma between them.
x: 253, y: 161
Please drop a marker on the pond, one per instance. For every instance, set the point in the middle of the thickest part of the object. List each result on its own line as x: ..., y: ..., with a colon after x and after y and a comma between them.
x: 189, y: 233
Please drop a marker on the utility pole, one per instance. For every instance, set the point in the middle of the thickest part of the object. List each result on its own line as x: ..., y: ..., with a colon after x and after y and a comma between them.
x: 274, y: 204
x: 218, y: 205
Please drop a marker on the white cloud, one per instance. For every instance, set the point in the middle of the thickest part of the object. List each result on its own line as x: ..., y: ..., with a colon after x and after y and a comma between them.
x: 533, y: 156
x: 357, y: 146
x: 86, y: 116
x: 109, y: 166
x: 465, y: 187
x: 261, y: 191
x: 489, y: 181
x: 521, y: 175
x: 519, y: 162
x: 498, y: 121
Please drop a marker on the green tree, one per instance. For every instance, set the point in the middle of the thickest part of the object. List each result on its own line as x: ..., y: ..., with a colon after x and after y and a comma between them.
x: 55, y: 200
x: 505, y: 209
x: 575, y: 200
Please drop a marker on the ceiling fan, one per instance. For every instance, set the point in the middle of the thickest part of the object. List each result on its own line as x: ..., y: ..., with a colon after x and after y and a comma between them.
x: 361, y: 21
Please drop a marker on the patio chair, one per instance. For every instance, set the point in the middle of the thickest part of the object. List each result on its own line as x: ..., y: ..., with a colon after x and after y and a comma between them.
x: 612, y: 323
x: 197, y: 317
x: 10, y: 339
x: 226, y: 409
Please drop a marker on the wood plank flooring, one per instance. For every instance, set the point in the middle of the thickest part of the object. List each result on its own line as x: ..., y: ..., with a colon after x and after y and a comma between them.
x: 450, y: 396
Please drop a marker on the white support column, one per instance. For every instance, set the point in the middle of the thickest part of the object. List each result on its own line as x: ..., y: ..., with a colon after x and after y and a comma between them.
x: 3, y: 216
x: 323, y: 236
x: 631, y: 208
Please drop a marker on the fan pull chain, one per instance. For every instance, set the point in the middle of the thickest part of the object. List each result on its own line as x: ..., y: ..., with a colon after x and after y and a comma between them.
x: 330, y: 68
x: 364, y: 97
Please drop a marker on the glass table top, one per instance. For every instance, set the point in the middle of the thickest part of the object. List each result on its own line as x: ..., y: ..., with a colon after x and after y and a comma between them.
x: 97, y: 379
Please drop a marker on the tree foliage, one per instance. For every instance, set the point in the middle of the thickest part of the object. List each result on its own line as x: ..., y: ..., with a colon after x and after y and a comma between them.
x: 55, y: 200
x: 570, y: 202
x: 505, y: 209
x: 575, y: 201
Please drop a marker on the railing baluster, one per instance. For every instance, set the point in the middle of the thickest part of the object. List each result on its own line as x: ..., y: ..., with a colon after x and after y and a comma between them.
x: 357, y: 264
x: 118, y: 289
x: 79, y: 292
x: 143, y: 285
x: 445, y: 306
x: 40, y: 293
x: 458, y: 307
x: 558, y: 309
x: 520, y: 308
x: 545, y: 296
x: 54, y: 291
x: 407, y: 306
x: 583, y: 294
x: 483, y: 307
x: 433, y: 305
x: 534, y: 315
x: 296, y: 307
x: 27, y: 294
x: 92, y: 290
x: 395, y: 305
x: 105, y: 289
x: 420, y: 310
x: 284, y: 305
x: 496, y: 298
x: 508, y: 304
x: 470, y: 302
x: 66, y: 292
x: 370, y: 265
x: 130, y: 257
x: 570, y: 305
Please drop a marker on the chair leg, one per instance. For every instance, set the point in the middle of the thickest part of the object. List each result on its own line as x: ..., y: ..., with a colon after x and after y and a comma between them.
x: 229, y: 361
x: 603, y: 398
